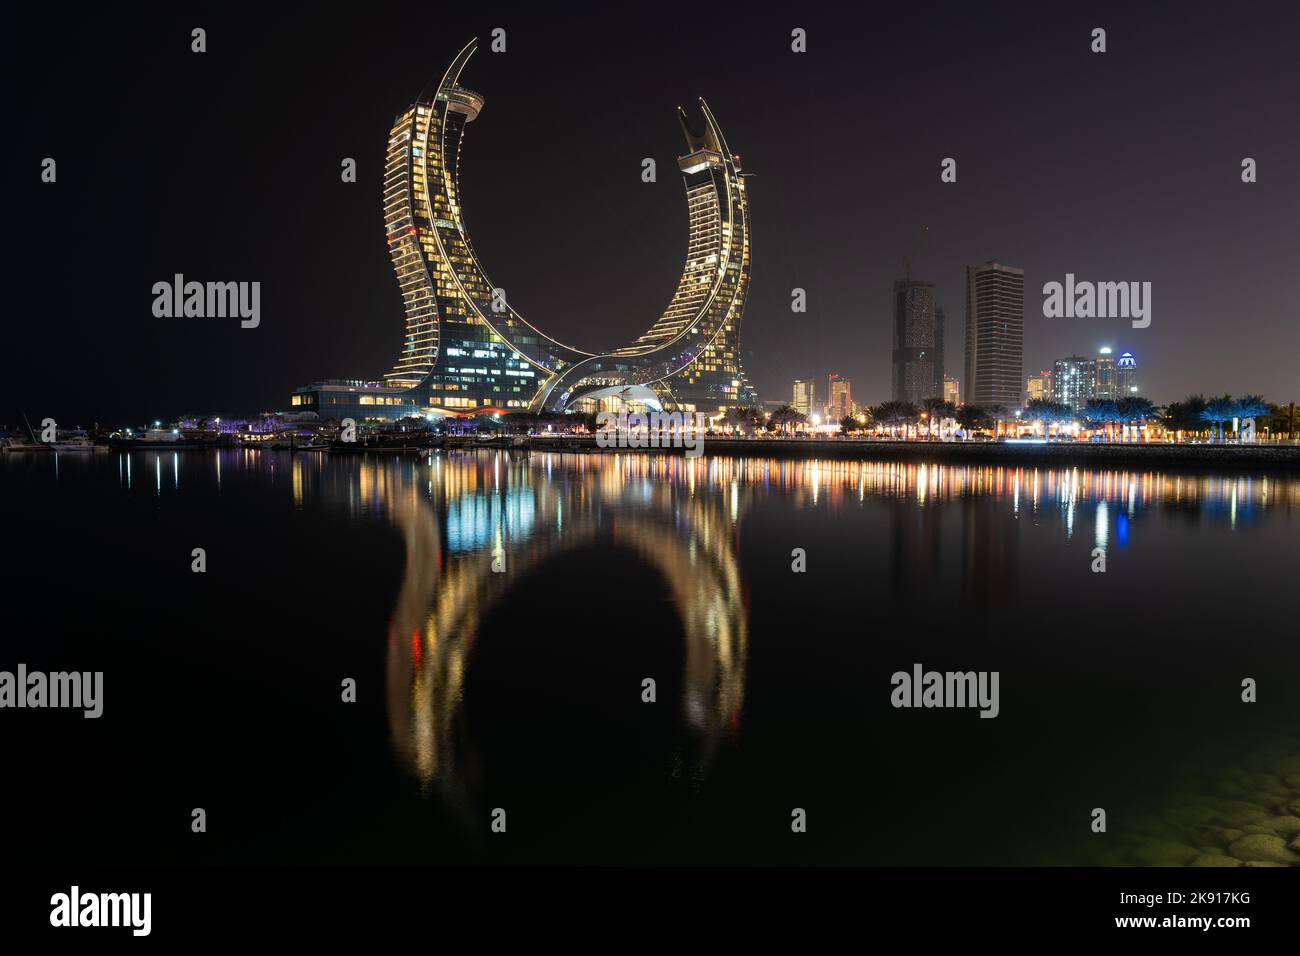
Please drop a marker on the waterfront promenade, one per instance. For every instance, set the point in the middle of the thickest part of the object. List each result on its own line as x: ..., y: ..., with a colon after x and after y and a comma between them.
x: 1087, y: 454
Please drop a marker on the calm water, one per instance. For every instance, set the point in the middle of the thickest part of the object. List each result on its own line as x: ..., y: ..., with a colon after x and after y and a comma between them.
x: 521, y: 689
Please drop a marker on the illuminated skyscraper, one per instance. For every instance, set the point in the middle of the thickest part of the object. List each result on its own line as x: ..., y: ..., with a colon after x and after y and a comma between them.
x: 805, y: 396
x: 467, y: 350
x: 995, y: 323
x: 1074, y: 381
x: 839, y: 397
x: 1104, y: 383
x: 951, y: 390
x: 1039, y: 387
x: 1126, y: 375
x: 918, y: 342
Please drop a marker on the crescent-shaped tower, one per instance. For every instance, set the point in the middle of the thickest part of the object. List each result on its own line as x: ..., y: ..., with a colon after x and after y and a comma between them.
x: 466, y: 349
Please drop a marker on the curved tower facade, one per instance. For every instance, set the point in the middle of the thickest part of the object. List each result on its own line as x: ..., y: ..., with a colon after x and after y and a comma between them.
x: 466, y: 350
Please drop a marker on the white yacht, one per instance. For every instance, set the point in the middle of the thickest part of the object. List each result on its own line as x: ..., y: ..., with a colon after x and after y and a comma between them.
x: 75, y: 441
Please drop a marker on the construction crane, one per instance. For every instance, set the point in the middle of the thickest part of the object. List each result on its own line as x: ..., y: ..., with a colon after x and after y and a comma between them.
x: 916, y: 250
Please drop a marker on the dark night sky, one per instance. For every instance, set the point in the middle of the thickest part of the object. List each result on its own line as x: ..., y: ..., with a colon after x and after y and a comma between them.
x: 225, y: 166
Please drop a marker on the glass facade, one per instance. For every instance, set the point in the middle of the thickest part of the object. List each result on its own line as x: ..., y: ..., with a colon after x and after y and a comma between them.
x: 1105, y: 384
x: 1074, y: 381
x: 1077, y: 380
x: 1126, y: 376
x: 466, y: 350
x: 805, y: 397
x: 839, y: 393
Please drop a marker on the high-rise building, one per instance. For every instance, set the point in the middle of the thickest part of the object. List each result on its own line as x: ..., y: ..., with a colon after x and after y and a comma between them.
x: 840, y: 395
x: 995, y: 334
x: 1126, y: 375
x: 918, y: 342
x: 1077, y: 380
x: 466, y: 350
x: 1074, y: 381
x: 805, y: 396
x: 1039, y: 387
x: 951, y: 390
x: 1105, y: 384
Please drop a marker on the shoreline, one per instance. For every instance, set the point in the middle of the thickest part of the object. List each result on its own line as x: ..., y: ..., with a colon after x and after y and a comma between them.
x: 1282, y: 458
x: 1271, y: 457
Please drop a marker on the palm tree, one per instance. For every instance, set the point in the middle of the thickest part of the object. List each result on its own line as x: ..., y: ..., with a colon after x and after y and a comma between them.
x: 1000, y: 415
x: 1286, y: 419
x: 1252, y: 407
x: 880, y: 414
x: 739, y: 418
x: 894, y: 414
x: 1218, y: 411
x: 1041, y: 410
x: 1185, y: 416
x: 786, y: 418
x: 945, y: 412
x: 971, y: 418
x: 1066, y: 415
x: 933, y: 409
x: 1100, y: 412
x: 1048, y: 412
x: 1136, y: 409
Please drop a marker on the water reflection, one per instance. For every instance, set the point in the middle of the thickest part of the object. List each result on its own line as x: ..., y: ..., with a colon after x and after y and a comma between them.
x: 473, y: 525
x: 907, y: 556
x: 1235, y: 498
x: 463, y: 514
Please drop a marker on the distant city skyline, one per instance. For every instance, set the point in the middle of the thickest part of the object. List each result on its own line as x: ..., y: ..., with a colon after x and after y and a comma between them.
x: 1076, y: 380
x: 1143, y: 185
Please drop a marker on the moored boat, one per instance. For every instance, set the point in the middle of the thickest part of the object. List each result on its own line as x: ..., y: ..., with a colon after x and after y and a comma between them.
x: 158, y: 438
x: 75, y: 440
x: 15, y: 444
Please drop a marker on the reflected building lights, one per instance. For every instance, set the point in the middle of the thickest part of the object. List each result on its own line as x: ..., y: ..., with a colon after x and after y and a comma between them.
x: 684, y: 518
x: 1101, y: 536
x: 449, y: 586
